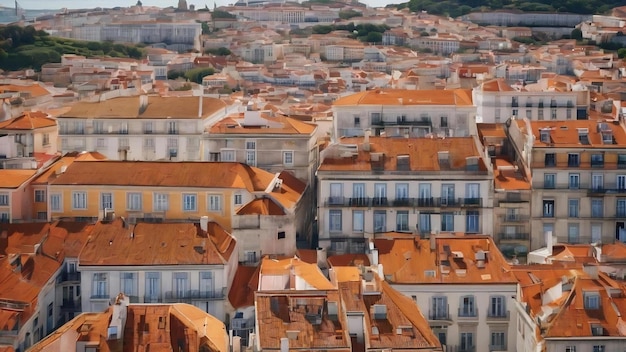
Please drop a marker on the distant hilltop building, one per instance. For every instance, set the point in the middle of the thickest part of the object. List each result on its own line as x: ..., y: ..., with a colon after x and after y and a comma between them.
x: 182, y: 4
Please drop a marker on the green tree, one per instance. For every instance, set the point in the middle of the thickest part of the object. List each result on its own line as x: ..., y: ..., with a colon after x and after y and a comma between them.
x: 221, y: 51
x: 348, y: 14
x: 374, y: 37
x: 174, y: 74
x: 577, y: 34
x: 621, y: 53
x: 196, y: 74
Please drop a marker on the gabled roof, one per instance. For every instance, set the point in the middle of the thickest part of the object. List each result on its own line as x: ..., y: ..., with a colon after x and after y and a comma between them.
x: 66, y: 160
x: 165, y: 174
x: 245, y: 282
x: 458, y: 97
x: 28, y: 121
x: 566, y: 134
x: 309, y: 273
x: 14, y: 178
x: 273, y: 125
x: 261, y: 206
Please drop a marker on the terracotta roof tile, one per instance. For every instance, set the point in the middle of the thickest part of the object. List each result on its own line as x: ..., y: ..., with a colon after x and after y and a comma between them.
x: 28, y: 121
x: 261, y: 206
x: 244, y: 284
x: 66, y: 160
x: 13, y: 178
x: 566, y: 133
x: 458, y: 97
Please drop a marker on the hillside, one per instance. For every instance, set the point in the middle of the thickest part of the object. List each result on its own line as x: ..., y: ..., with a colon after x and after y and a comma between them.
x: 25, y: 47
x: 455, y: 8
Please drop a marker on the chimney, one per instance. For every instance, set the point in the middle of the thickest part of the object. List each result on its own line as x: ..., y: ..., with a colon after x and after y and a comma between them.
x: 200, y: 106
x: 366, y: 140
x: 549, y: 241
x: 374, y: 257
x: 321, y: 258
x: 204, y: 223
x: 284, y: 344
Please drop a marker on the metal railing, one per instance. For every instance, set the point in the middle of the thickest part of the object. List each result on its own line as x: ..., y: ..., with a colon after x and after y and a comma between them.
x: 513, y: 237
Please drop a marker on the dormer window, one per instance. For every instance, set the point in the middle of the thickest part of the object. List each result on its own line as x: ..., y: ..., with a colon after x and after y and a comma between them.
x: 583, y: 136
x: 544, y: 136
x: 592, y: 300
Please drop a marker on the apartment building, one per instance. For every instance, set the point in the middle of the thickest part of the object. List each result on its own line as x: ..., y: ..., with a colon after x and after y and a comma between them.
x: 267, y: 210
x: 568, y: 309
x: 577, y: 179
x: 511, y: 196
x: 124, y: 326
x: 462, y: 281
x: 373, y: 185
x: 269, y: 142
x: 351, y: 311
x: 140, y: 128
x: 14, y: 204
x: 554, y: 98
x: 27, y: 141
x: 442, y: 45
x: 400, y: 113
x: 158, y: 263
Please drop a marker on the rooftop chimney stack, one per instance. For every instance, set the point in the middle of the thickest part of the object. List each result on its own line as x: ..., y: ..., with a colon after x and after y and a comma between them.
x: 366, y: 140
x: 549, y: 241
x: 204, y: 223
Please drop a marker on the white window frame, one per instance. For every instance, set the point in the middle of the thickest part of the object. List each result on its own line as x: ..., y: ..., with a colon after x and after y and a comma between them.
x: 232, y: 155
x: 40, y: 196
x: 188, y: 204
x: 214, y: 203
x: 109, y: 204
x: 130, y: 200
x: 358, y: 221
x: 288, y: 158
x: 56, y: 202
x: 335, y: 220
x: 5, y: 199
x: 79, y: 197
x: 160, y: 201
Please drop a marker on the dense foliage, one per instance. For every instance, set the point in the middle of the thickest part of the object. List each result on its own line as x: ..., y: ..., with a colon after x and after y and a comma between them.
x: 455, y: 8
x: 221, y: 51
x: 25, y: 47
x: 366, y: 32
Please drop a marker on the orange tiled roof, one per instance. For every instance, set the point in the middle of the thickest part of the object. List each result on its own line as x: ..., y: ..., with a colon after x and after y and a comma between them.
x: 414, y: 260
x: 276, y: 125
x: 151, y: 244
x: 13, y: 178
x: 507, y: 177
x: 566, y: 133
x: 34, y: 89
x: 28, y: 121
x: 422, y: 154
x: 244, y: 284
x: 163, y: 174
x: 66, y: 160
x: 458, y: 97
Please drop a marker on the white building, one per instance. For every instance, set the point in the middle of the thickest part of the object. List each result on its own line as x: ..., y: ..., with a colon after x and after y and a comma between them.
x: 158, y: 263
x: 375, y: 185
x: 400, y: 113
x: 140, y: 128
x: 461, y: 283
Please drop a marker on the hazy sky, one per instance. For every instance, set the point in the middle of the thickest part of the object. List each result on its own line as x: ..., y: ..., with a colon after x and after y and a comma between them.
x: 73, y: 4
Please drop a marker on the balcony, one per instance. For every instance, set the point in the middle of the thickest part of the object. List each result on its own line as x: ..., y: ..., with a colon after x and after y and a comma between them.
x: 152, y: 299
x: 403, y: 202
x: 335, y: 201
x: 514, y: 218
x: 71, y: 305
x: 513, y: 236
x: 69, y: 277
x: 359, y: 202
x: 606, y: 189
x: 439, y: 315
x: 471, y: 202
x: 497, y: 316
x: 448, y: 202
x: 100, y: 296
x: 380, y: 202
x: 193, y: 295
x: 467, y: 314
x: 402, y: 121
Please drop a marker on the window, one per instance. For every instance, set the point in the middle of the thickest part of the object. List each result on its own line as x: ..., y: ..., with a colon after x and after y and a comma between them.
x: 466, y: 342
x: 620, y: 207
x: 100, y: 289
x: 570, y: 348
x: 148, y: 143
x: 206, y: 283
x: 549, y: 160
x: 472, y: 193
x: 281, y: 235
x: 380, y: 194
x: 180, y: 284
x: 153, y: 286
x: 425, y: 223
x: 447, y: 221
x: 380, y: 221
x: 147, y: 127
x: 160, y: 202
x: 596, y: 233
x: 106, y: 200
x: 573, y: 233
x: 472, y: 221
x: 540, y: 114
x: 467, y: 307
x: 444, y: 122
x: 101, y: 143
x: 573, y: 207
x: 172, y: 127
x: 238, y: 199
x: 439, y: 308
x: 128, y: 283
x: 288, y: 158
x: 4, y: 199
x: 424, y: 195
x: 573, y: 160
x: 357, y: 121
x: 621, y: 161
x: 172, y: 147
x: 497, y: 341
x: 597, y: 182
x: 548, y: 181
x: 227, y: 155
x: 124, y: 128
x: 497, y: 306
x: 597, y: 160
x: 336, y: 193
x: 621, y: 182
x: 529, y: 113
x: 190, y: 202
x: 40, y: 196
x: 133, y: 201
x: 402, y: 191
x: 215, y: 202
x: 55, y: 202
x: 251, y: 157
x: 553, y: 114
x: 591, y: 300
x: 402, y: 221
x: 598, y: 348
x: 497, y: 115
x: 42, y: 215
x: 548, y: 208
x: 597, y: 208
x: 447, y: 194
x: 79, y: 200
x: 358, y: 221
x: 334, y: 221
x: 574, y: 181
